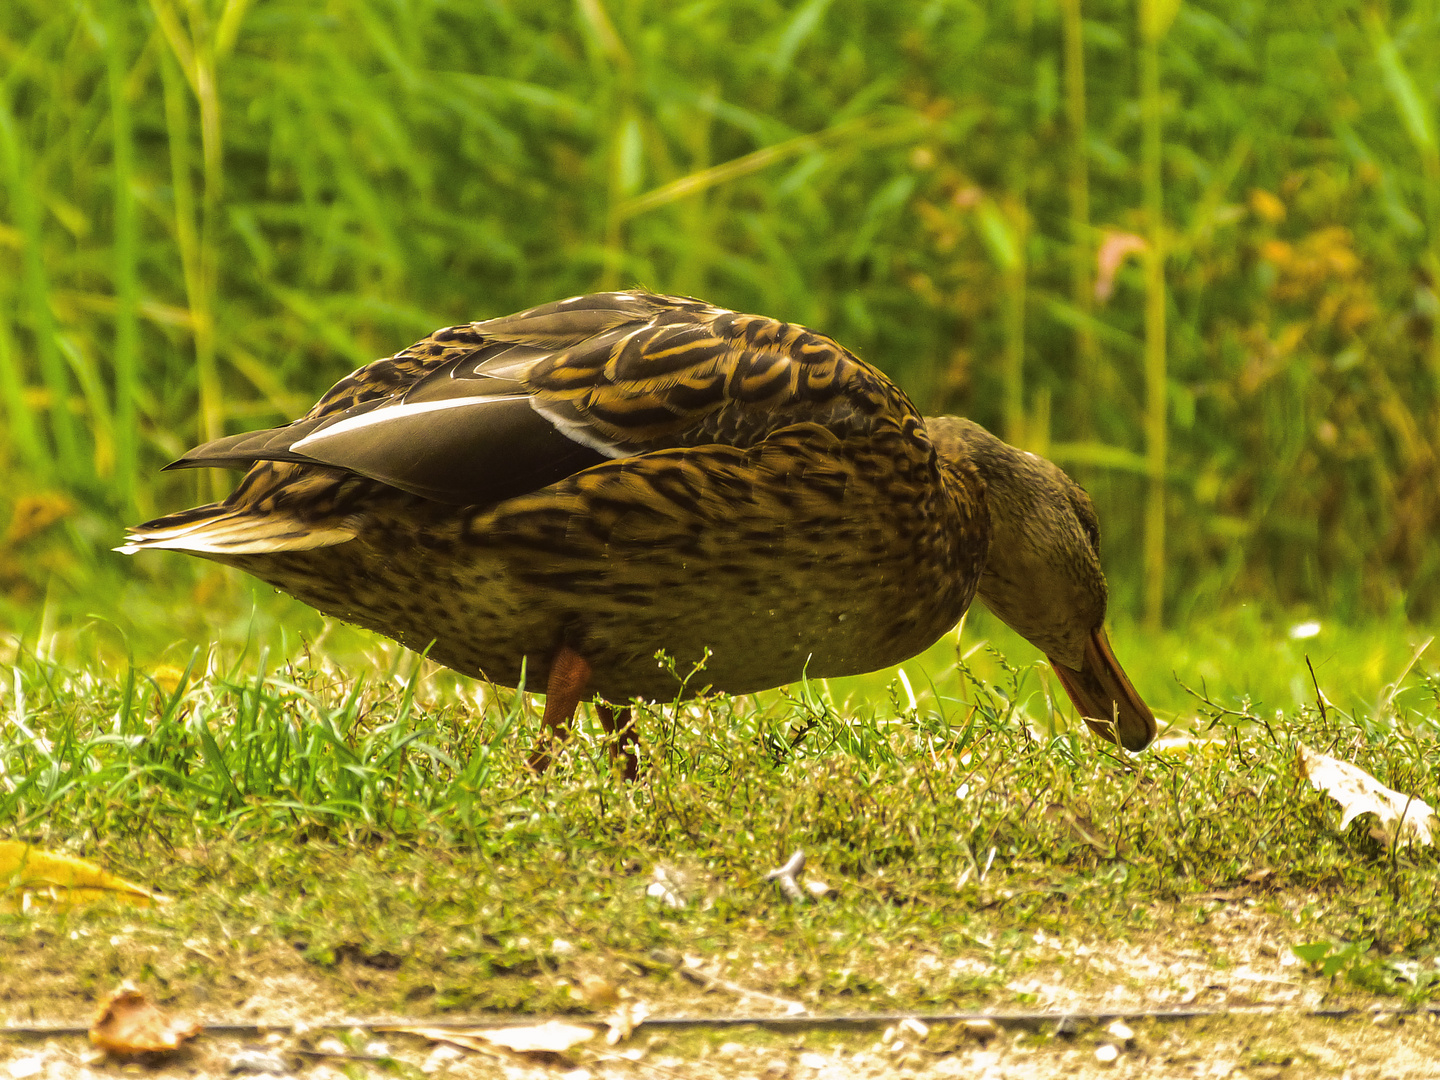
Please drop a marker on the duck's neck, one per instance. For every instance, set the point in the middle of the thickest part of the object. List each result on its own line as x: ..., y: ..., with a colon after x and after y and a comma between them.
x: 1042, y: 573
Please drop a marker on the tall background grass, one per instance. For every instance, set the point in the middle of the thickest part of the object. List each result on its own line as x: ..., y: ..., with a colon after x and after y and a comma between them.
x: 1189, y: 250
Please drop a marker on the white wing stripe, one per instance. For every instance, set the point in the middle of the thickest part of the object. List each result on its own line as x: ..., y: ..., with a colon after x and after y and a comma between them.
x: 576, y: 431
x: 395, y: 412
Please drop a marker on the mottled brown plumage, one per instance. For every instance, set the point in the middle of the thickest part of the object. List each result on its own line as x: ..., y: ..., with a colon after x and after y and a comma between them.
x: 568, y: 490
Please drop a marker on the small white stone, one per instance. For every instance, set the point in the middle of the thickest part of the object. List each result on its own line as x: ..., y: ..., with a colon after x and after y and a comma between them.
x: 1121, y: 1032
x: 662, y: 892
x: 441, y: 1058
x: 257, y: 1063
x: 814, y: 1061
x: 561, y: 947
x: 1107, y: 1054
x: 916, y: 1027
x: 730, y: 1050
x: 21, y: 1068
x: 983, y: 1030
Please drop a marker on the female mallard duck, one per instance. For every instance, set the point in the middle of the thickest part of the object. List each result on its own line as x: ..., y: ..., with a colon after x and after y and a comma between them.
x: 568, y: 491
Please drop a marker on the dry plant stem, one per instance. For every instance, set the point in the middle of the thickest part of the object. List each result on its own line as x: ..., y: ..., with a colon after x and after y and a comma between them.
x: 690, y: 969
x: 1319, y: 697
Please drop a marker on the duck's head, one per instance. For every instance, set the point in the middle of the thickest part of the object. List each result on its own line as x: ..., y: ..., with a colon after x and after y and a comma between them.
x: 1043, y: 578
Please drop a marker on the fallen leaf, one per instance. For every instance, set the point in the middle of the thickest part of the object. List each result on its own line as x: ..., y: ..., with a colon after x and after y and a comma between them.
x: 624, y: 1020
x: 785, y: 876
x: 551, y: 1037
x: 1358, y: 793
x: 62, y: 881
x: 128, y: 1024
x: 547, y: 1042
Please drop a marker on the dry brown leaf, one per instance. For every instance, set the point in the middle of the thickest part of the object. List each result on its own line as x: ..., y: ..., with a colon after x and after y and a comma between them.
x: 128, y: 1024
x: 1358, y: 793
x: 35, y: 876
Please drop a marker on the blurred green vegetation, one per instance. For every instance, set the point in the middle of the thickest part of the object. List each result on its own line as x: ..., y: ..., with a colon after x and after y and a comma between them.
x: 1190, y: 251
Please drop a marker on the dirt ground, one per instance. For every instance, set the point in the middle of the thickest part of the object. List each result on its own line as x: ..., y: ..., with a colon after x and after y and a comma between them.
x: 1263, y: 1024
x: 1283, y: 1045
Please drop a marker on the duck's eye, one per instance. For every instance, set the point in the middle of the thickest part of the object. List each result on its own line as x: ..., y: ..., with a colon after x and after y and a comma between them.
x: 1089, y: 523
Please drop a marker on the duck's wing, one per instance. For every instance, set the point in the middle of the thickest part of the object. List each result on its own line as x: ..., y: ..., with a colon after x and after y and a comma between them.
x: 479, y: 413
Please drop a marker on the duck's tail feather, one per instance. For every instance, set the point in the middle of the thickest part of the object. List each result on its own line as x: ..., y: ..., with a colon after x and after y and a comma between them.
x: 220, y: 530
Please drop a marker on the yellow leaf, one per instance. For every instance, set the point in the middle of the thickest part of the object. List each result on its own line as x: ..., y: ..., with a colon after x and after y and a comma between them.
x: 1266, y: 206
x: 35, y: 876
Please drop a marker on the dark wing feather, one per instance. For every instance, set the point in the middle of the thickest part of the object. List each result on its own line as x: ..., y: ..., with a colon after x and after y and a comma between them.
x: 479, y: 413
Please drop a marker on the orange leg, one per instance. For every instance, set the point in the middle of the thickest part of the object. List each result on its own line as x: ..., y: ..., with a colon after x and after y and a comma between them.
x: 620, y: 725
x: 569, y: 675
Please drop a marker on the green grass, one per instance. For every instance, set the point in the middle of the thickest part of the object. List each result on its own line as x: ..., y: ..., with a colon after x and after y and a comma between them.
x: 366, y: 811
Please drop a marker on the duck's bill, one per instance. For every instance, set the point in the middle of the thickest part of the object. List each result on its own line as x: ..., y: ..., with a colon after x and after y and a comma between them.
x: 1104, y: 697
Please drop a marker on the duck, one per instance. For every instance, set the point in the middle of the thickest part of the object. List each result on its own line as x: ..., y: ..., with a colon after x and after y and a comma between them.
x: 629, y: 496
